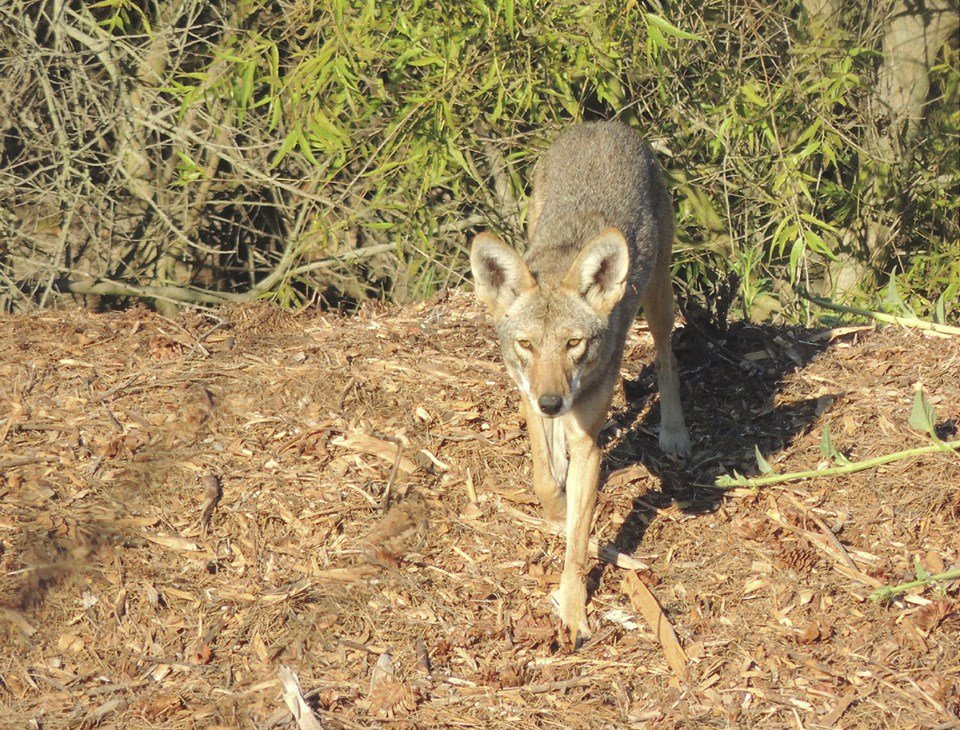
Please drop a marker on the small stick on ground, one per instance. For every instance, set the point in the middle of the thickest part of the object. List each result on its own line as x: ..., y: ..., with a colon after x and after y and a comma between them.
x: 24, y: 460
x: 385, y: 499
x: 643, y: 601
x: 841, y: 552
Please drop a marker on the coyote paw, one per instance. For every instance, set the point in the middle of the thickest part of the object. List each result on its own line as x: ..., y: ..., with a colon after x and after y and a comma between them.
x: 675, y: 442
x: 570, y: 603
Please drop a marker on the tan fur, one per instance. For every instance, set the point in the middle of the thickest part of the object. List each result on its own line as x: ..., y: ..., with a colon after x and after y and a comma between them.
x: 600, y: 230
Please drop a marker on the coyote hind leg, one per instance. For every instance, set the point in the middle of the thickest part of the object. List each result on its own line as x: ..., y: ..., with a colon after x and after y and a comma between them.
x: 658, y: 310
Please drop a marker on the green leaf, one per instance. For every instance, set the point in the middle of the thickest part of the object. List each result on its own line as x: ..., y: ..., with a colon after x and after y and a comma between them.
x: 655, y: 41
x: 669, y: 28
x: 751, y: 92
x: 940, y: 309
x: 892, y: 299
x: 289, y: 142
x: 827, y: 448
x: 762, y: 464
x: 923, y: 417
x: 508, y: 16
x: 796, y: 252
x: 816, y: 243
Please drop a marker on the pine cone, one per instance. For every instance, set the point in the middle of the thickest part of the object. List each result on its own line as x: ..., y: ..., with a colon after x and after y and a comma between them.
x: 799, y: 558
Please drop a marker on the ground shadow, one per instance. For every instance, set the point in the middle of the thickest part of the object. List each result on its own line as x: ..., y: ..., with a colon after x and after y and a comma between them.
x: 730, y: 378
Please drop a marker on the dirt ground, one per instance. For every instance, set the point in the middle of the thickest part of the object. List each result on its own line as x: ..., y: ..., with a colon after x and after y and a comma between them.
x: 188, y: 505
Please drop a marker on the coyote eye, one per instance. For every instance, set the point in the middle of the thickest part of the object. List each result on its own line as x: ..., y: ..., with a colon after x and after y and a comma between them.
x: 574, y: 342
x: 524, y: 344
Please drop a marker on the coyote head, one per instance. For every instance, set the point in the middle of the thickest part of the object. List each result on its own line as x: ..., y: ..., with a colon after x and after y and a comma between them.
x: 552, y: 329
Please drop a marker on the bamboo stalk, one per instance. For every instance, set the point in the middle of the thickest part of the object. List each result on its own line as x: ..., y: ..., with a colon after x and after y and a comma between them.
x: 888, y: 592
x: 920, y: 324
x: 727, y: 481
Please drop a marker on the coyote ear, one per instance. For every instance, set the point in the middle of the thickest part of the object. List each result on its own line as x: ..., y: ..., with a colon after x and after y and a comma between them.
x: 499, y: 273
x: 599, y: 273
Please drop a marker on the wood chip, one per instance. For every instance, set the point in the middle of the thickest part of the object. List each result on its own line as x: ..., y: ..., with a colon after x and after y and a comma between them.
x: 381, y: 448
x: 643, y: 601
x: 294, y: 699
x: 836, y: 713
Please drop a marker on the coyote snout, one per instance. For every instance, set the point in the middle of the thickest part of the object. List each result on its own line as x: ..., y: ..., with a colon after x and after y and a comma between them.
x: 551, y: 405
x: 600, y: 231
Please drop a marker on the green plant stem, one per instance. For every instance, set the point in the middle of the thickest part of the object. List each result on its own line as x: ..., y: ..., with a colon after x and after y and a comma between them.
x: 726, y: 481
x: 920, y: 324
x: 887, y: 592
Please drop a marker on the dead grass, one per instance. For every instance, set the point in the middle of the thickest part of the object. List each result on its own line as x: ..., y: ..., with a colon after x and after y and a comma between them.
x: 136, y: 591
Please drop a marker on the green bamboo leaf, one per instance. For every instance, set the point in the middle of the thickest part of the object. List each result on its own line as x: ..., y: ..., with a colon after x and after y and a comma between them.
x: 817, y: 244
x: 892, y: 299
x: 762, y: 464
x: 670, y: 29
x: 922, y: 416
x: 796, y: 252
x: 655, y: 40
x: 289, y: 142
x: 751, y: 92
x: 819, y: 223
x: 940, y: 309
x: 785, y: 231
x: 827, y: 448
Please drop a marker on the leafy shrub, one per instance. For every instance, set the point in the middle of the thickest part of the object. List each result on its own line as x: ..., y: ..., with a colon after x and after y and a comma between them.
x: 340, y: 149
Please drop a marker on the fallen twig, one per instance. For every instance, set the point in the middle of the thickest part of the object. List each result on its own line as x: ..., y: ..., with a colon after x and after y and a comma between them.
x: 24, y: 460
x: 840, y: 552
x: 726, y: 481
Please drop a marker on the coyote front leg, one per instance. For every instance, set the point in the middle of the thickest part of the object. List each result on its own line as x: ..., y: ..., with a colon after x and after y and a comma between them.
x: 582, y: 425
x: 546, y: 486
x: 582, y: 482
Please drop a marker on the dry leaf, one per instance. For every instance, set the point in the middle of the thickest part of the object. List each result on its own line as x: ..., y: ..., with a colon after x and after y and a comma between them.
x: 390, y: 700
x: 293, y: 697
x: 203, y: 655
x: 625, y: 476
x: 211, y: 497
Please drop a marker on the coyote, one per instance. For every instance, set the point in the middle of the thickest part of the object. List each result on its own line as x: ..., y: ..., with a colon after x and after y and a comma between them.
x: 600, y: 229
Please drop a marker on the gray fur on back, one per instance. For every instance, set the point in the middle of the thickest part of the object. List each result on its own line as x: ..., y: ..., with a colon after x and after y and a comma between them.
x: 596, y: 175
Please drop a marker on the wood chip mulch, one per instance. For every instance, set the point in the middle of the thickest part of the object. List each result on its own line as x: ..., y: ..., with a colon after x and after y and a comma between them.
x: 209, y: 520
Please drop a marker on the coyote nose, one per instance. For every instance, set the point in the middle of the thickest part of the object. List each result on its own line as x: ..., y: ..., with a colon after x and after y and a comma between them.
x: 550, y: 404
